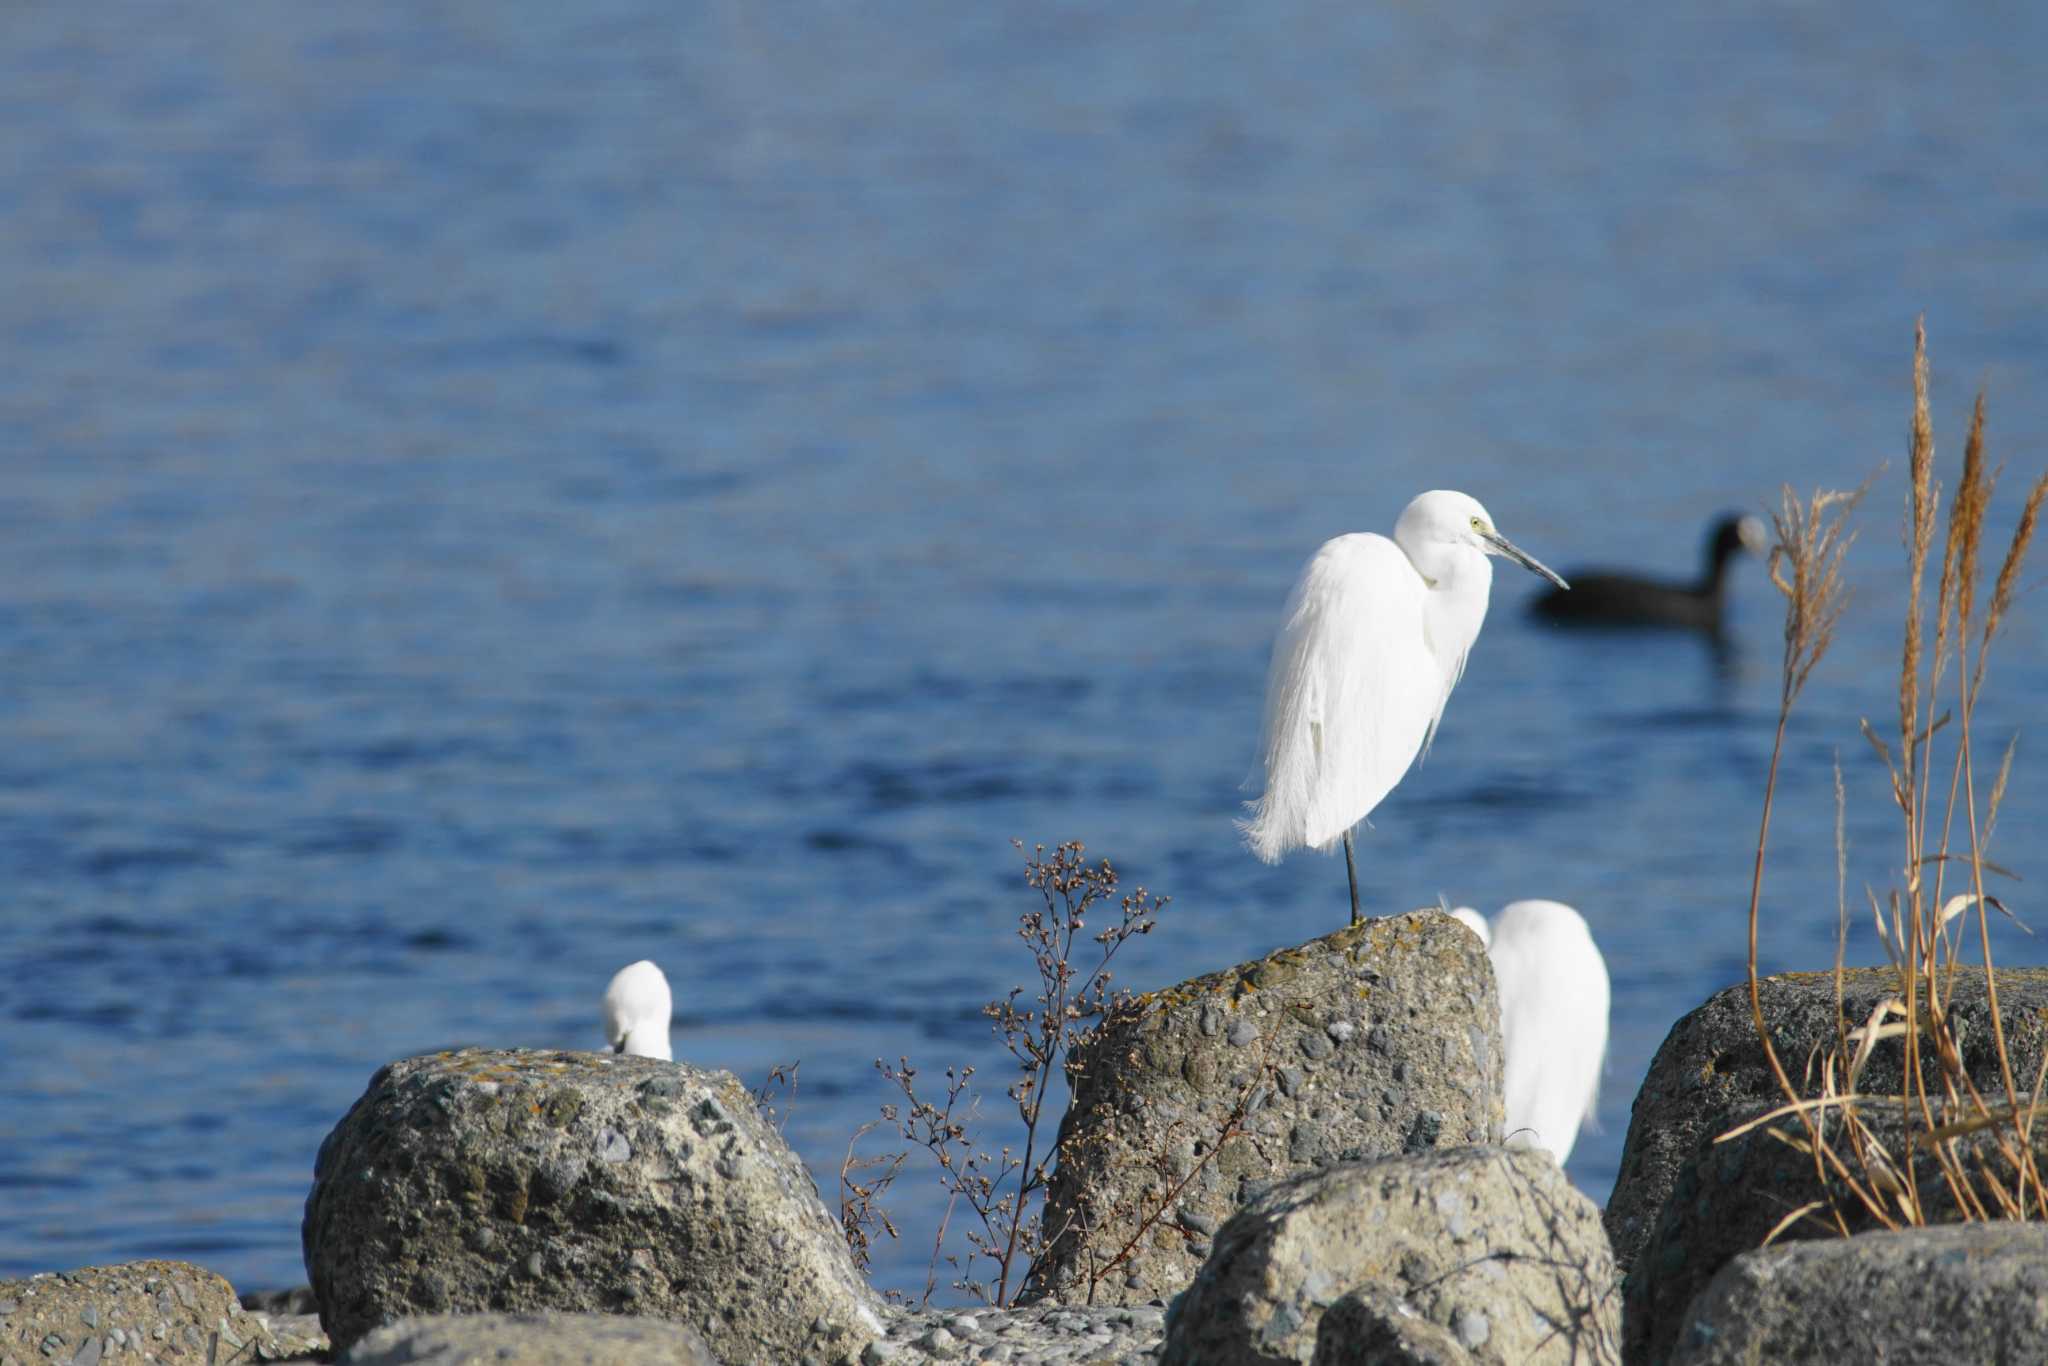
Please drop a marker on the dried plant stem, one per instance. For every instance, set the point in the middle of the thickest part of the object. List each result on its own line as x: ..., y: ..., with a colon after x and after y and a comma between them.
x: 1941, y: 1101
x: 1005, y: 1190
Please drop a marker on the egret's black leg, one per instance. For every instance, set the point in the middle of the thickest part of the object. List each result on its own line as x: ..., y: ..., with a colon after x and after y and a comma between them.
x: 1351, y: 869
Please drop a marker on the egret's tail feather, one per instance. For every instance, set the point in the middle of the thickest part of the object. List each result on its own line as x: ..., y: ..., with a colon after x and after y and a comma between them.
x: 1261, y: 832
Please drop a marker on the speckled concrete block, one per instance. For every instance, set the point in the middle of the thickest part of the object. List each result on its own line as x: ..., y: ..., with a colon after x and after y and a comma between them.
x: 525, y: 1181
x: 1916, y: 1297
x: 173, y: 1311
x: 1711, y: 1070
x: 1728, y: 1197
x: 1491, y: 1247
x: 1381, y: 1038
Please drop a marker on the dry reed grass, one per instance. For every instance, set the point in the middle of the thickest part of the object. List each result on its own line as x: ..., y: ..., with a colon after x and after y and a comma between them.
x: 1925, y: 935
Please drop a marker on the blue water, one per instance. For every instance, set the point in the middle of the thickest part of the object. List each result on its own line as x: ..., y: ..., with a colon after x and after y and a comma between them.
x: 494, y: 491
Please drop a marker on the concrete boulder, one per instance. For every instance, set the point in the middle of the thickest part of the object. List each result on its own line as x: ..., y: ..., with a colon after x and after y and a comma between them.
x: 173, y: 1311
x: 1916, y: 1297
x: 1369, y: 1328
x: 1490, y: 1248
x: 1730, y: 1196
x: 532, y: 1340
x: 526, y: 1181
x: 1711, y: 1069
x: 1381, y: 1038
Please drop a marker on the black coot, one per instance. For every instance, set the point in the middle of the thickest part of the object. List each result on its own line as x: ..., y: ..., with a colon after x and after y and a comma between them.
x: 1614, y: 598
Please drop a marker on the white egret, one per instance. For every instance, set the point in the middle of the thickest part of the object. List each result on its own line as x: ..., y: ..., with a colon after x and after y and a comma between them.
x: 1372, y: 640
x: 636, y: 1011
x: 1617, y: 597
x: 1553, y: 1018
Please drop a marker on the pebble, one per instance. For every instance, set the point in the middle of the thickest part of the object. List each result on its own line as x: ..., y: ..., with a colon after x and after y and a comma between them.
x: 1040, y: 1335
x: 1243, y: 1032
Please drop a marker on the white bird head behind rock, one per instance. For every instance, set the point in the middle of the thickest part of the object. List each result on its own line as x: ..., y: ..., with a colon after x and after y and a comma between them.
x: 636, y: 1011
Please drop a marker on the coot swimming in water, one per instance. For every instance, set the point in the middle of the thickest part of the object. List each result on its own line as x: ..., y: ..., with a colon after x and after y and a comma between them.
x: 1615, y: 598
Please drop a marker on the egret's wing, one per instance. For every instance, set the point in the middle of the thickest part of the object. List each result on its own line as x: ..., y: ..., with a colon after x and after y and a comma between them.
x: 1351, y: 693
x: 1553, y: 1020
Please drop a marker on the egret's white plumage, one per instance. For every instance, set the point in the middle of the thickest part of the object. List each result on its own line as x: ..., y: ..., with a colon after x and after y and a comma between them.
x: 1372, y: 640
x: 636, y: 1011
x: 1553, y: 1018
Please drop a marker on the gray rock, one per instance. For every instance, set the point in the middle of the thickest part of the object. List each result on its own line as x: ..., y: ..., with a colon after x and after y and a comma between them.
x: 547, y: 1339
x: 1370, y: 1328
x: 709, y: 1220
x: 1729, y: 1197
x: 1046, y: 1334
x: 1491, y: 1248
x: 1711, y: 1068
x: 1381, y: 1038
x: 1917, y: 1297
x: 297, y: 1300
x: 174, y: 1310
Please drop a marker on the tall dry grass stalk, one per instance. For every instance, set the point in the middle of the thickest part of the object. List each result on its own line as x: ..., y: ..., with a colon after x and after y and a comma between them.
x: 1924, y: 935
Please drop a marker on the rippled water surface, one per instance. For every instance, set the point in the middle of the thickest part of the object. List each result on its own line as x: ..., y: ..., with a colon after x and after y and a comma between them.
x: 494, y: 491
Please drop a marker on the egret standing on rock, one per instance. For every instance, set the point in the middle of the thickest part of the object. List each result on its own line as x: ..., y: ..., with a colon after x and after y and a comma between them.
x: 1373, y: 640
x: 636, y: 1011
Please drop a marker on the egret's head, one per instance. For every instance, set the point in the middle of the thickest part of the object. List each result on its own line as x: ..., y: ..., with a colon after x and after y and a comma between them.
x: 1447, y: 517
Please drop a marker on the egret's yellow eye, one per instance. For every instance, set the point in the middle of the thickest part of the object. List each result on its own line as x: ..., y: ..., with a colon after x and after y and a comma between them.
x: 1478, y: 525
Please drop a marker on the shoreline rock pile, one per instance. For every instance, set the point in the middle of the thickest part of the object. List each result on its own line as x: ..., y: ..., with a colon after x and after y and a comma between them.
x: 553, y: 1207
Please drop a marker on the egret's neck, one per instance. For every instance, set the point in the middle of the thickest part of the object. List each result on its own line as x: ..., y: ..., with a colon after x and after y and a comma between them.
x: 1459, y: 579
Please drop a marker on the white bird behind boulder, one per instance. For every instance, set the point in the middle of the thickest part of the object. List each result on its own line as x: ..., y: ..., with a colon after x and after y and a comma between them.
x: 636, y: 1011
x: 1553, y: 1018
